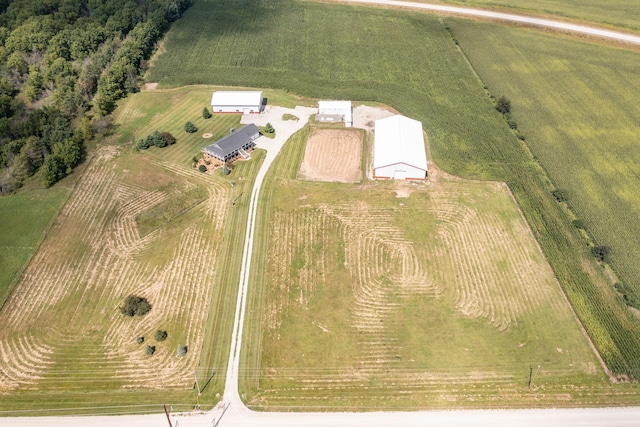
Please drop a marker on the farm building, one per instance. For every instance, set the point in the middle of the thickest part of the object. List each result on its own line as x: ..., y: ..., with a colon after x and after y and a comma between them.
x: 335, y: 112
x: 244, y: 102
x: 399, y: 149
x: 233, y: 145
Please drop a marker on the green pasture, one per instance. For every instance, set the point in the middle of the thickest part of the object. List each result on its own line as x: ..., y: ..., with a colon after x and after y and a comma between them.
x: 345, y: 52
x: 615, y: 13
x: 25, y: 219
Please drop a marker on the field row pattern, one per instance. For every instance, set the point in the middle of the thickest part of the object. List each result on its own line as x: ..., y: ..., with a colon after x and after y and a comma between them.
x: 63, y: 328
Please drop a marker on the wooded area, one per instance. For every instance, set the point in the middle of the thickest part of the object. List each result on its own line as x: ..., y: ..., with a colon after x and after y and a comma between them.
x: 63, y: 65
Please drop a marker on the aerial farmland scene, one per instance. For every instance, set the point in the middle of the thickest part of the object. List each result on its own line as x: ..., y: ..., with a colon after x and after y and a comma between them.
x: 304, y: 212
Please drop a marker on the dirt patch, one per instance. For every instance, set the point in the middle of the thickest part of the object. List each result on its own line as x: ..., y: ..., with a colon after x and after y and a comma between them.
x: 332, y: 155
x: 207, y: 135
x: 150, y: 86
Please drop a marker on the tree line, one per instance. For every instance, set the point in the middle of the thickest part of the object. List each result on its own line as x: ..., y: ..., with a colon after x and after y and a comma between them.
x: 63, y: 66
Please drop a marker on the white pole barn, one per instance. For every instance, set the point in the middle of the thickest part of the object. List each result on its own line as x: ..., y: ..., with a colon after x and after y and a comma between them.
x: 244, y: 102
x: 399, y: 151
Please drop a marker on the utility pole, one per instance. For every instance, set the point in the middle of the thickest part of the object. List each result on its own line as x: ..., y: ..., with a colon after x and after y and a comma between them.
x: 167, y: 414
x: 233, y: 192
x: 197, y: 383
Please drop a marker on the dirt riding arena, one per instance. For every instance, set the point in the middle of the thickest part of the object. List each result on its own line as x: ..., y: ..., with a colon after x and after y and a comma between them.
x: 332, y: 155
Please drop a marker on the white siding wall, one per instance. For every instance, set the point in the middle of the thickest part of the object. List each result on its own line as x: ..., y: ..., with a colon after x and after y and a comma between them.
x: 399, y: 171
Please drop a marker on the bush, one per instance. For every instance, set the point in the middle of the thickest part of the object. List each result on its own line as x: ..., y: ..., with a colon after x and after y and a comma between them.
x: 182, y: 350
x: 560, y: 195
x: 139, y: 340
x: 135, y: 306
x: 143, y: 144
x: 226, y: 170
x: 158, y: 140
x: 503, y: 105
x: 578, y: 223
x: 202, y: 168
x: 512, y: 124
x: 268, y: 128
x: 150, y: 349
x: 601, y: 253
x: 190, y: 127
x: 169, y: 139
x: 206, y: 113
x: 160, y: 335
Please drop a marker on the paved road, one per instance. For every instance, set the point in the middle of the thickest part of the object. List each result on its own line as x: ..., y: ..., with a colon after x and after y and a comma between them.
x: 232, y: 412
x: 538, y: 22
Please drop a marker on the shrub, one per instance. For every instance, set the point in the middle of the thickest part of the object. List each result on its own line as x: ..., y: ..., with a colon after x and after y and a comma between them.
x: 160, y: 335
x: 206, y: 113
x: 190, y: 127
x: 170, y: 139
x: 158, y: 140
x: 150, y: 349
x: 135, y: 306
x: 226, y: 170
x: 139, y: 340
x: 578, y: 223
x: 503, y: 105
x: 601, y: 252
x: 142, y: 144
x: 560, y: 195
x: 202, y: 168
x: 268, y: 128
x: 182, y: 350
x: 512, y: 124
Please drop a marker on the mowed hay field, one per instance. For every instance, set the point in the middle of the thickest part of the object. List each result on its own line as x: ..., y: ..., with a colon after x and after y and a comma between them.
x: 438, y: 299
x: 25, y: 219
x: 347, y: 52
x: 143, y: 223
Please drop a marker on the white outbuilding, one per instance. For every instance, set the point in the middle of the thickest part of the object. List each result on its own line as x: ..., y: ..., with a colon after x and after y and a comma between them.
x: 335, y: 112
x: 399, y: 151
x: 244, y: 102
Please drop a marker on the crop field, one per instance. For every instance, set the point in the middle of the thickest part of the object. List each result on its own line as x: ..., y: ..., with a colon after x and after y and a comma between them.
x: 25, y: 219
x: 616, y: 13
x: 325, y: 51
x: 333, y: 155
x: 438, y: 298
x: 589, y: 152
x: 137, y: 223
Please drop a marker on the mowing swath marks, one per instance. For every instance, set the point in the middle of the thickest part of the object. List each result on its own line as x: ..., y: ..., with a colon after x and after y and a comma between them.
x: 442, y: 295
x: 64, y: 330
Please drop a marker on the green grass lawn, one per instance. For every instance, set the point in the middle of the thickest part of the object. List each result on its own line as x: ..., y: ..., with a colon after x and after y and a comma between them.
x: 25, y: 218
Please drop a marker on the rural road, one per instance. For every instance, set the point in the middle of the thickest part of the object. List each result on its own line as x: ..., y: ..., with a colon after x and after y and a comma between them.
x: 501, y: 16
x: 232, y: 412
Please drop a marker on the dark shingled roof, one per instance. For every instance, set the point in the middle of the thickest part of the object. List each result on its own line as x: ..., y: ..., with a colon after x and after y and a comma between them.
x: 232, y: 142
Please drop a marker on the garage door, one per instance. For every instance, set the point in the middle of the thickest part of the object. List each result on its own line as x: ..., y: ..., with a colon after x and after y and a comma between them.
x: 398, y: 174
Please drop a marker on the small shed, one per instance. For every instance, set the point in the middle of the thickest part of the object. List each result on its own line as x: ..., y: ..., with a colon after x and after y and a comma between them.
x: 243, y: 102
x: 399, y: 151
x: 233, y: 145
x: 335, y: 112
